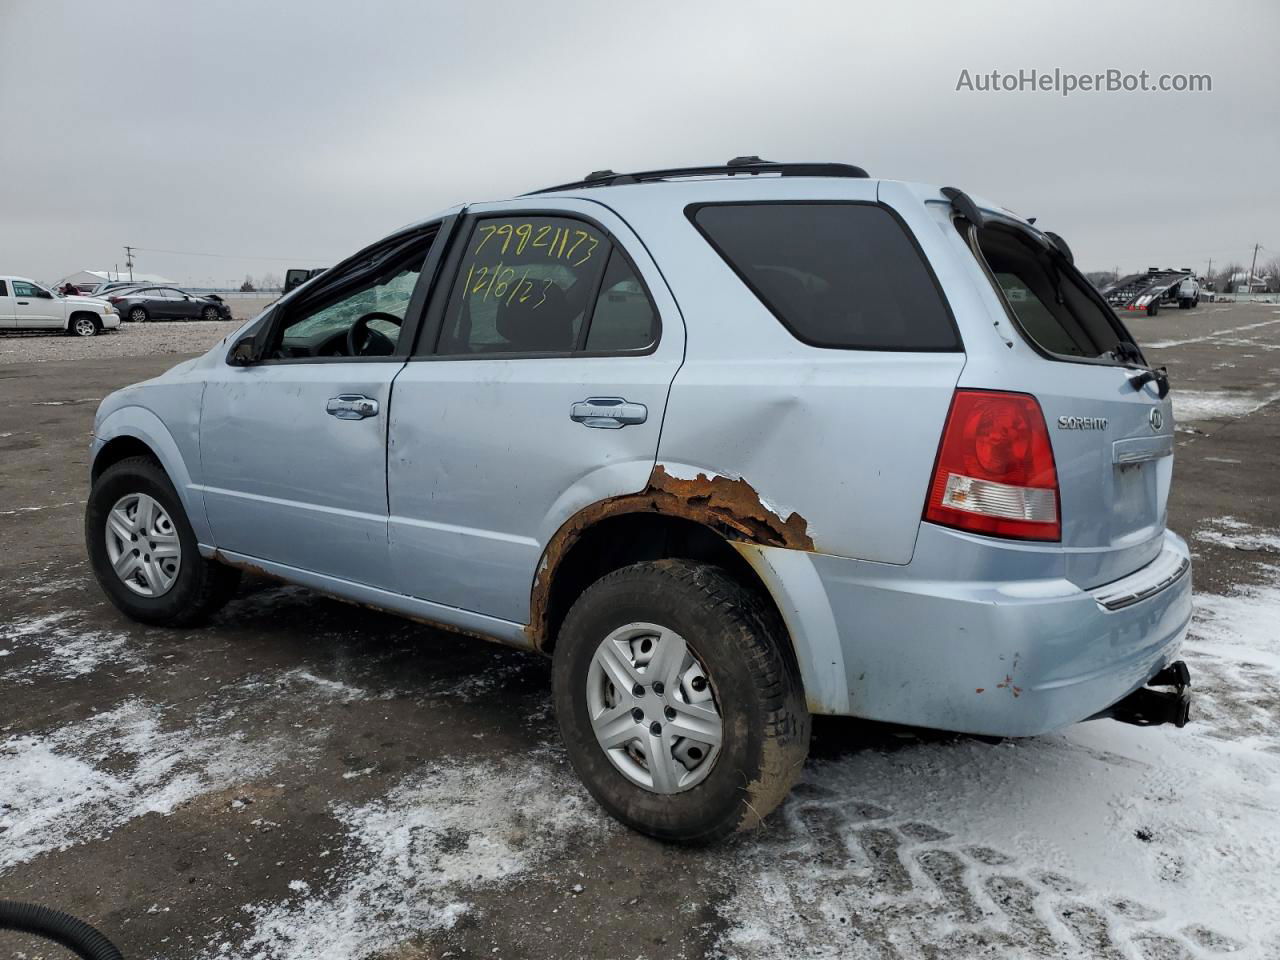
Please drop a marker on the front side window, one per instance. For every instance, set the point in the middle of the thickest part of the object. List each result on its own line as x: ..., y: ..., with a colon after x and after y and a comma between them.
x: 525, y: 285
x: 840, y: 275
x: 360, y: 311
x: 23, y: 289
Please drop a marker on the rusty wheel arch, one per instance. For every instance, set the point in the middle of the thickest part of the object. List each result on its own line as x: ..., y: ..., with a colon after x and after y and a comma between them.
x: 728, y: 506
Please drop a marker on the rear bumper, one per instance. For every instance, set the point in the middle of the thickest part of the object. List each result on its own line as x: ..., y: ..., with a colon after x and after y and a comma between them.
x: 994, y: 653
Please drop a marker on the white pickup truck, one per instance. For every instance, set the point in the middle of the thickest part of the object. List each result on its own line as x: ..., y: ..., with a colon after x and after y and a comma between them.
x: 25, y: 305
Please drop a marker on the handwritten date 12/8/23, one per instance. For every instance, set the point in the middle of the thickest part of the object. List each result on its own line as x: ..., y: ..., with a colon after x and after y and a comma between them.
x: 500, y: 282
x: 573, y: 245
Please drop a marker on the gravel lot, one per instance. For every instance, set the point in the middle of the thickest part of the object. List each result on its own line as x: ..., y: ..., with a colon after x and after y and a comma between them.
x: 128, y: 340
x: 307, y: 779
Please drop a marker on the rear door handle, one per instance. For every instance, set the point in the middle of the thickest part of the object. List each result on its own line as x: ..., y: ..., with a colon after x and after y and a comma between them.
x: 608, y: 413
x: 351, y: 406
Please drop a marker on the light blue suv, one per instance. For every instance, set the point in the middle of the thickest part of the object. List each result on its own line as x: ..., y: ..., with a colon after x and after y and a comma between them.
x: 734, y: 445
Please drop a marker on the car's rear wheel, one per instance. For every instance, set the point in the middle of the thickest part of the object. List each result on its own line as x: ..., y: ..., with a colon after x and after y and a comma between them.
x: 679, y: 708
x: 138, y: 315
x: 1152, y: 309
x: 144, y: 552
x: 84, y: 326
x: 209, y: 314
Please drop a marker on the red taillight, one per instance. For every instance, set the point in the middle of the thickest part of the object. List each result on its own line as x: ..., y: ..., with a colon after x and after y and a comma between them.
x: 114, y: 299
x: 995, y: 472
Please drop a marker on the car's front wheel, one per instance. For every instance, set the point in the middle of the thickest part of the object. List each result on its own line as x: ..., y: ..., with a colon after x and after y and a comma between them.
x: 83, y: 326
x: 209, y: 314
x: 679, y: 708
x: 144, y: 552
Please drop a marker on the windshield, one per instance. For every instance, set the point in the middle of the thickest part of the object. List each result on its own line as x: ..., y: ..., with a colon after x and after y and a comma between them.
x: 1053, y: 304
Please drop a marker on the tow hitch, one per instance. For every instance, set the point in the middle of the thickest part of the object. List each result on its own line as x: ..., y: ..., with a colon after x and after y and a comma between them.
x: 1146, y: 707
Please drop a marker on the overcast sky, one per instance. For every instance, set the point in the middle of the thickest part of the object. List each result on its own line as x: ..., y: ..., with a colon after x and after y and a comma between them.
x: 279, y: 134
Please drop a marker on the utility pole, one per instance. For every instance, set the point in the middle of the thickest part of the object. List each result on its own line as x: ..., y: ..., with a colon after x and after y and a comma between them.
x: 1208, y: 273
x: 128, y: 260
x: 1248, y: 281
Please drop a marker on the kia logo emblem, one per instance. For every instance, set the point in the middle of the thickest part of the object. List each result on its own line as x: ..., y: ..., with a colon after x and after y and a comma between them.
x: 1157, y: 419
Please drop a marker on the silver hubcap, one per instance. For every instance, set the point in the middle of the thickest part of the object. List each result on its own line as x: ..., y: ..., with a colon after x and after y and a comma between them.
x: 143, y: 545
x: 137, y: 316
x: 652, y: 708
x: 84, y: 327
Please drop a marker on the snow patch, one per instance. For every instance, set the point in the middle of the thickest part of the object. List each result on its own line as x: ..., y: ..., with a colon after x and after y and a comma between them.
x: 411, y: 856
x: 1216, y: 404
x: 1233, y: 533
x: 83, y: 780
x: 66, y: 649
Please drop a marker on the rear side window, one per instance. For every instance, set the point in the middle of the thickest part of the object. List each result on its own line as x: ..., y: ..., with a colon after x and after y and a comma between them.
x: 623, y: 318
x: 1048, y: 297
x: 541, y: 285
x: 4, y: 291
x: 525, y: 285
x: 842, y: 275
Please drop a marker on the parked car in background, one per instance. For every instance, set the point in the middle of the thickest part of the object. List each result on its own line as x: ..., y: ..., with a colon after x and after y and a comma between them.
x: 167, y: 303
x: 731, y: 449
x: 26, y: 305
x: 111, y: 286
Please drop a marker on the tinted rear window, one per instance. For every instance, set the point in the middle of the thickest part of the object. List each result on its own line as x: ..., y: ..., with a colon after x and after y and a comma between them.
x: 842, y: 275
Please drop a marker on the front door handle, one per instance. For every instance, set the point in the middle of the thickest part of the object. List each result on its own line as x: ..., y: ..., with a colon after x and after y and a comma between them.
x: 608, y: 413
x: 351, y: 406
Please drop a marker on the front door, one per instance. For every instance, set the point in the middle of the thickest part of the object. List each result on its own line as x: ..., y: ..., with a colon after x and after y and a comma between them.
x: 294, y: 446
x: 537, y: 388
x: 36, y: 308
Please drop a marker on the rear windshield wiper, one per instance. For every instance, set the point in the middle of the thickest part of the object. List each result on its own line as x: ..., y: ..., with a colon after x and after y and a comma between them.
x: 1157, y: 375
x: 1128, y: 353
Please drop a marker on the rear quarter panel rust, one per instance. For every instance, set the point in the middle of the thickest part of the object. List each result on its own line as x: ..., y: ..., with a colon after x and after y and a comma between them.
x: 729, y: 505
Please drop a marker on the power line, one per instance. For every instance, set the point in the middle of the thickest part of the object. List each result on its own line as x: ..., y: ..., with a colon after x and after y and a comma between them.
x: 231, y: 256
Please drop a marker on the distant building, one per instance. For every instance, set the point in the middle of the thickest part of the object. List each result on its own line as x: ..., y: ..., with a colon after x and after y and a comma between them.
x: 89, y: 278
x: 1256, y: 283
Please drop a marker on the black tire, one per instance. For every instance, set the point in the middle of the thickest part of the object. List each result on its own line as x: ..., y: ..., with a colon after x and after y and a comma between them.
x: 1184, y: 303
x: 1196, y: 302
x: 138, y: 314
x: 754, y: 681
x: 83, y: 325
x: 1153, y: 308
x: 209, y: 314
x: 201, y: 587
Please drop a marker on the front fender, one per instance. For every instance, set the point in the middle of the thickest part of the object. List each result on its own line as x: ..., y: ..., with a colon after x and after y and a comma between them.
x: 141, y: 424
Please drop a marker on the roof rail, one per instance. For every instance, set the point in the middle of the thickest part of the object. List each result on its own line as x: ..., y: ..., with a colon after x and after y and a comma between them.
x: 738, y: 166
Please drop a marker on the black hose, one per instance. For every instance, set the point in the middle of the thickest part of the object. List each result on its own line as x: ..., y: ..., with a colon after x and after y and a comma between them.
x: 76, y: 935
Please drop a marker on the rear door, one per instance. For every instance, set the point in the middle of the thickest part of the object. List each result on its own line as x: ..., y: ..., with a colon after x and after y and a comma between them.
x: 538, y: 388
x: 1112, y: 439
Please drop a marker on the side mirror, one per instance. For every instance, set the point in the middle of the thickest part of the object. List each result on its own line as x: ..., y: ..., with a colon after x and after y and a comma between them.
x: 185, y: 297
x: 244, y: 353
x: 45, y: 295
